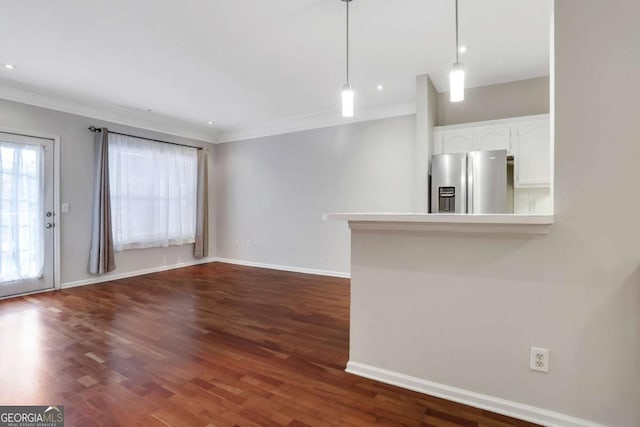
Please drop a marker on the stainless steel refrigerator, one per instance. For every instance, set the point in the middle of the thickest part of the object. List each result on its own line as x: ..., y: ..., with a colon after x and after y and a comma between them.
x: 472, y: 182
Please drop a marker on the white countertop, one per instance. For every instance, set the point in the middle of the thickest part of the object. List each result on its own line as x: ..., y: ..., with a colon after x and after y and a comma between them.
x: 489, y: 223
x: 440, y: 218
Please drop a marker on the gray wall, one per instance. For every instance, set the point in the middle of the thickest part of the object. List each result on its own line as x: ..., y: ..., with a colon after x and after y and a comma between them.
x: 463, y: 310
x: 76, y: 181
x: 273, y: 191
x: 500, y: 101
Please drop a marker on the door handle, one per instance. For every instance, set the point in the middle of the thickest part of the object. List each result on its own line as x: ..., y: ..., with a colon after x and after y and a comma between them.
x: 48, y: 225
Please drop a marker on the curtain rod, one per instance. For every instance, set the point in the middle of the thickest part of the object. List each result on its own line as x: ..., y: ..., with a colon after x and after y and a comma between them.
x: 95, y: 129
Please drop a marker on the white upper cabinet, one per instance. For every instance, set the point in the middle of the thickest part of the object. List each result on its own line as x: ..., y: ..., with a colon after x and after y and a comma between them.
x: 527, y: 139
x: 481, y: 138
x: 532, y: 154
x: 456, y: 141
x: 492, y: 138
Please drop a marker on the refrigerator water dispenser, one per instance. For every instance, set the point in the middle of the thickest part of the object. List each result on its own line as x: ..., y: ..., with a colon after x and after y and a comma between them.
x: 447, y: 199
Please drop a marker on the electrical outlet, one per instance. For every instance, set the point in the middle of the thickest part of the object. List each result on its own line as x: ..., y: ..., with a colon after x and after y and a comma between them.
x: 539, y: 359
x: 249, y: 243
x: 532, y: 206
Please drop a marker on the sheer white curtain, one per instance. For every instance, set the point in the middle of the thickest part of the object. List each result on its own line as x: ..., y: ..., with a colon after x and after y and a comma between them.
x: 21, y: 211
x: 153, y: 192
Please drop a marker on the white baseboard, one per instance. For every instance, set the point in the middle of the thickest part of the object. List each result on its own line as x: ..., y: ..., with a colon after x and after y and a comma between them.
x: 285, y: 268
x: 26, y: 294
x: 470, y: 398
x: 110, y: 277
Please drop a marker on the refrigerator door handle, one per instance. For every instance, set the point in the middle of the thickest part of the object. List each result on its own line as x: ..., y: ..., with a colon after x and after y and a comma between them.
x: 470, y: 184
x: 463, y: 183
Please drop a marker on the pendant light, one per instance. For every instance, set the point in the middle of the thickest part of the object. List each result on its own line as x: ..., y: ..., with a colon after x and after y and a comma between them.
x: 456, y: 76
x: 347, y: 89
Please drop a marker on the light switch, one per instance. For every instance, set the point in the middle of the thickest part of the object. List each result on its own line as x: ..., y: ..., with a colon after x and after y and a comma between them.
x: 65, y: 207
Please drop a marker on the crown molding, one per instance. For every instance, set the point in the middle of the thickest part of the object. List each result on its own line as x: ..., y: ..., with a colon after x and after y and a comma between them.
x: 316, y: 121
x: 17, y: 92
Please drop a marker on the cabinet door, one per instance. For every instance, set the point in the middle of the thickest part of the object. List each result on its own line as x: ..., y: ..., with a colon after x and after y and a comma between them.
x: 532, y: 154
x: 493, y: 138
x: 457, y: 141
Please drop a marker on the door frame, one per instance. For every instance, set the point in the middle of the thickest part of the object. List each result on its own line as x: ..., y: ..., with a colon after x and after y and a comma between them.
x: 57, y: 284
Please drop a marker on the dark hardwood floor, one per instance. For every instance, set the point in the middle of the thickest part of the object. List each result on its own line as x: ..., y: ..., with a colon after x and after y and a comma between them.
x: 210, y: 345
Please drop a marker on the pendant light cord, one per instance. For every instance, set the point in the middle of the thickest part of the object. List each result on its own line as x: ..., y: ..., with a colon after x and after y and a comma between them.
x: 349, y: 1
x: 457, y: 46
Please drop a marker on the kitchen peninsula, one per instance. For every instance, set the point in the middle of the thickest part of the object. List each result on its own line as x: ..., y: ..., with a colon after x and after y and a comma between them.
x: 423, y: 298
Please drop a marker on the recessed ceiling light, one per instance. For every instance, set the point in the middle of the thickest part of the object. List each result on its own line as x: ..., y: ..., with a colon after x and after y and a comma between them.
x: 210, y: 122
x: 464, y: 48
x: 9, y: 67
x: 379, y: 87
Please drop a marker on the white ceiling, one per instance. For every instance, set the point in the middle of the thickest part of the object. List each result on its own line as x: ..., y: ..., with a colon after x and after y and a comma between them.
x: 256, y: 66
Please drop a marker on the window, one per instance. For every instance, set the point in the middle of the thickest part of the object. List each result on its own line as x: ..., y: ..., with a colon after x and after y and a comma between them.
x: 153, y: 193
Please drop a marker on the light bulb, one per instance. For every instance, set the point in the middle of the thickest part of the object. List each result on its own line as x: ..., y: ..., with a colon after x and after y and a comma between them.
x: 347, y: 100
x: 456, y: 81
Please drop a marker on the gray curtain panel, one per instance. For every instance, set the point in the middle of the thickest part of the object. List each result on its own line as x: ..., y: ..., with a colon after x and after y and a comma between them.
x: 201, y: 249
x: 102, y: 255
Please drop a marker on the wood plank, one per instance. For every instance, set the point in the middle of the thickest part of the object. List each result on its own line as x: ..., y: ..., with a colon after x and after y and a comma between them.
x: 208, y: 345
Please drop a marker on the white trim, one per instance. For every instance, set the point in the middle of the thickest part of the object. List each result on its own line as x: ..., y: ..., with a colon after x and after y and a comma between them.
x: 57, y: 211
x: 317, y: 121
x: 141, y: 119
x: 110, y: 277
x: 496, y: 122
x: 116, y: 276
x: 26, y: 294
x: 285, y: 268
x: 470, y: 398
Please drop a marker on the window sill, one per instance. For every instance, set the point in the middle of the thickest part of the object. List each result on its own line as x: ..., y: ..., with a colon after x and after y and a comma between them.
x: 459, y: 223
x: 150, y: 245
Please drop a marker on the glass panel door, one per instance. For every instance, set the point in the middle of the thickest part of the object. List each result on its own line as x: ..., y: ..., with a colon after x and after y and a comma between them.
x: 26, y: 214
